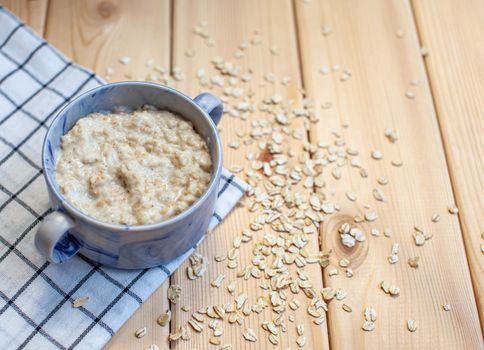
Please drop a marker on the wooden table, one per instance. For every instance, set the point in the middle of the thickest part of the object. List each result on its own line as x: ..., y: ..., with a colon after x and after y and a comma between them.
x: 439, y: 119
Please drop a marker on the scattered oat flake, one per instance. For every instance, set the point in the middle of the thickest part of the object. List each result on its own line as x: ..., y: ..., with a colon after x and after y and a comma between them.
x: 351, y: 196
x: 419, y: 238
x: 446, y: 307
x: 424, y: 51
x: 236, y: 168
x: 274, y: 339
x: 368, y: 326
x: 301, y: 341
x: 435, y: 218
x: 164, y: 318
x: 197, y: 326
x: 324, y: 70
x: 190, y: 53
x: 326, y: 30
x: 394, y: 290
x: 256, y: 40
x: 412, y: 325
x: 125, y: 60
x: 300, y: 329
x: 379, y: 195
x: 80, y: 301
x: 285, y: 80
x: 275, y: 50
x: 344, y: 77
x: 346, y: 308
x: 453, y: 209
x: 347, y: 240
x: 414, y: 82
x: 340, y: 294
x: 370, y: 216
x: 376, y: 154
x: 140, y: 333
x: 370, y: 314
x: 250, y: 335
x: 218, y: 281
x: 410, y: 95
x: 344, y: 262
x: 393, y: 259
x: 214, y: 341
x: 382, y: 180
x: 173, y: 293
x: 391, y: 135
x: 210, y: 41
x: 389, y: 288
x: 413, y: 262
x: 153, y: 347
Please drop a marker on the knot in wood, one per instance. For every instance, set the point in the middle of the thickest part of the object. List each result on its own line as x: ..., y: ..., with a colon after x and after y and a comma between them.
x: 106, y: 9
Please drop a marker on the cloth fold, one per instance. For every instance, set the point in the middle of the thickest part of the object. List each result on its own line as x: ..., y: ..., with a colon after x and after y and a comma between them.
x: 36, y: 296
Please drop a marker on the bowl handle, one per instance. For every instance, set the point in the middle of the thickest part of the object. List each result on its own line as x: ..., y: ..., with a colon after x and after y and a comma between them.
x: 210, y: 104
x: 53, y: 239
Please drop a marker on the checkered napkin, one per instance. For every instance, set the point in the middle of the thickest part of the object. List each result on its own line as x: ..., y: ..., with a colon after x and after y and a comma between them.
x: 35, y: 295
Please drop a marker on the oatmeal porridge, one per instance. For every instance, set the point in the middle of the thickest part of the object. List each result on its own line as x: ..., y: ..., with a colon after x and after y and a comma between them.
x: 133, y: 168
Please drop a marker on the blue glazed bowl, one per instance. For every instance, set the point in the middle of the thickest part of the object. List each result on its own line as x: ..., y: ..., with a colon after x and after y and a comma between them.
x: 67, y: 230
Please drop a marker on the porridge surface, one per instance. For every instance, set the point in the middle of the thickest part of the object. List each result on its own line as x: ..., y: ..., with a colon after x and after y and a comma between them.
x: 133, y: 168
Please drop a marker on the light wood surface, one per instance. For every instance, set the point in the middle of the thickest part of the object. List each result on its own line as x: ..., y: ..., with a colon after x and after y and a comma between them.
x: 456, y: 77
x: 363, y: 38
x: 231, y: 23
x: 372, y: 100
x: 33, y: 12
x: 97, y: 34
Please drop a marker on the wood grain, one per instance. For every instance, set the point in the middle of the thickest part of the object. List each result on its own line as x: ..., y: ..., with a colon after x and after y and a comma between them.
x: 145, y: 316
x: 230, y: 23
x: 364, y: 39
x: 95, y: 34
x: 32, y: 12
x: 449, y: 30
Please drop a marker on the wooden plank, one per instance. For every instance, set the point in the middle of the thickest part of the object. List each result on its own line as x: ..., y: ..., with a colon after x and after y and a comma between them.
x: 96, y: 34
x: 230, y: 23
x: 32, y: 12
x: 146, y: 316
x: 450, y: 30
x: 366, y: 38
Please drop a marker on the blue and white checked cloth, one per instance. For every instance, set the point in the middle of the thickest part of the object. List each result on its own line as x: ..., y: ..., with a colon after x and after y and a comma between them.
x: 35, y: 295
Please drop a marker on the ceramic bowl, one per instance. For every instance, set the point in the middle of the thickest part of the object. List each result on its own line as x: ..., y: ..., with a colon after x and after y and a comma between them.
x: 68, y: 231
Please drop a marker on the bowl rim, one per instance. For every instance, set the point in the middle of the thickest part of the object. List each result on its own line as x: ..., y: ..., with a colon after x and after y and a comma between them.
x: 77, y: 213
